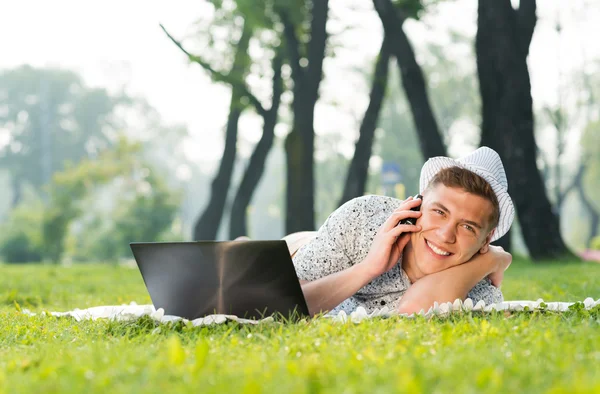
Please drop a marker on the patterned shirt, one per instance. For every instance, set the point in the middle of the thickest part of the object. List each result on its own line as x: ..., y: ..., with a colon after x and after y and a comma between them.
x: 345, y: 239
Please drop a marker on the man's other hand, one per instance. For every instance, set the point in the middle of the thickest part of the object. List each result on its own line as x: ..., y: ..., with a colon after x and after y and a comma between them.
x: 502, y: 260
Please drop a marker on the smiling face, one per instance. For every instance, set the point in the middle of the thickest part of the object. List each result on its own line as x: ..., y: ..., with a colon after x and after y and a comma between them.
x: 455, y: 225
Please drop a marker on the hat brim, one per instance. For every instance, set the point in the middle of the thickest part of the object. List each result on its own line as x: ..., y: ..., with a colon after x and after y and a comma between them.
x: 507, y: 210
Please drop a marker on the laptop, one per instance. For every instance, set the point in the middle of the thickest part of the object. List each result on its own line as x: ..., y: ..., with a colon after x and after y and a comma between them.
x: 248, y: 279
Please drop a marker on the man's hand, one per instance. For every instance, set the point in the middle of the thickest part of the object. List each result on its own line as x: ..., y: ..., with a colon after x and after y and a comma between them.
x: 391, y: 238
x: 326, y: 293
x: 502, y: 261
x: 455, y: 282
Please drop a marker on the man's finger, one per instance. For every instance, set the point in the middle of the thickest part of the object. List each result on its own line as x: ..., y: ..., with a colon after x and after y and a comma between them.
x: 404, y: 228
x: 396, y: 217
x: 403, y: 240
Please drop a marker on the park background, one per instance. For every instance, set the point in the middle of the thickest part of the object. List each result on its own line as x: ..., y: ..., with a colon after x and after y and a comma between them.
x: 147, y: 121
x: 187, y: 120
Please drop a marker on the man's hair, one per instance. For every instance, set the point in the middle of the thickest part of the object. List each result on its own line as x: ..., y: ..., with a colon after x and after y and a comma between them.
x: 470, y: 182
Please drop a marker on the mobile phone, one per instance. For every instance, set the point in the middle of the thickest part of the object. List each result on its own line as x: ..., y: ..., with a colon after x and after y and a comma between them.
x: 413, y: 221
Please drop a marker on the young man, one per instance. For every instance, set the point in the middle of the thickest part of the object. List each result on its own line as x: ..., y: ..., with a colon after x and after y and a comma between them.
x: 363, y: 256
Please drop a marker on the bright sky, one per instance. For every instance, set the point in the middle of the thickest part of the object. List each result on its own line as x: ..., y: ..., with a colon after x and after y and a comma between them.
x: 112, y: 43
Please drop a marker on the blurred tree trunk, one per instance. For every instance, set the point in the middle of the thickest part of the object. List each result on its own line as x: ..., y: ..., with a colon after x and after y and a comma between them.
x: 502, y: 42
x: 256, y: 165
x: 359, y: 166
x: 17, y: 189
x: 526, y: 20
x: 413, y: 80
x: 307, y: 72
x: 594, y: 216
x: 207, y: 226
x: 558, y: 118
x: 593, y: 213
x: 577, y: 184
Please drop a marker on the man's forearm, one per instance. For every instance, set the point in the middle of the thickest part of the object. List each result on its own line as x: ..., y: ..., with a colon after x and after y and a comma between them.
x: 324, y: 294
x: 447, y: 285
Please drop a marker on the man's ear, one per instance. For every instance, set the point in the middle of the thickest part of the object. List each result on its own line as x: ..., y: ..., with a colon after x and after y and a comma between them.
x: 486, y: 244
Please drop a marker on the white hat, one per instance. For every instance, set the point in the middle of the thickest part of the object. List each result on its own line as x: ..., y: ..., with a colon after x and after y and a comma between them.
x: 486, y: 163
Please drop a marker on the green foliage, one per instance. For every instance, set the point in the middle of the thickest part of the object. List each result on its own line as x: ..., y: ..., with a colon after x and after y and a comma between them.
x: 53, y: 118
x: 145, y: 208
x: 148, y: 214
x: 410, y: 8
x: 221, y: 34
x: 17, y: 248
x: 69, y: 188
x: 595, y: 244
x: 97, y: 241
x: 145, y: 215
x: 493, y: 353
x: 21, y: 234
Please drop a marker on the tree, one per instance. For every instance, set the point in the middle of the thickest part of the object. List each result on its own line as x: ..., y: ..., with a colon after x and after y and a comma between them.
x: 257, y: 19
x: 306, y: 52
x: 256, y: 165
x: 143, y: 212
x: 207, y: 226
x: 70, y: 187
x: 560, y: 119
x: 589, y: 175
x: 455, y: 97
x: 454, y: 89
x: 52, y: 118
x: 502, y: 45
x: 586, y: 177
x: 356, y: 179
x: 393, y: 18
x: 21, y: 234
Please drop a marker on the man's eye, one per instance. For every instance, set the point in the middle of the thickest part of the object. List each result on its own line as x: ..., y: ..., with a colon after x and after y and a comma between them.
x: 438, y: 211
x: 471, y: 229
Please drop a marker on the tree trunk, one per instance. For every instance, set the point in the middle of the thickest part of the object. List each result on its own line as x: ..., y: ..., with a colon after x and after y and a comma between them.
x: 594, y: 223
x: 46, y: 162
x: 256, y: 166
x: 594, y: 215
x: 17, y: 189
x: 299, y: 144
x: 505, y: 241
x: 508, y: 123
x: 299, y: 149
x: 413, y: 80
x: 207, y: 226
x: 359, y: 167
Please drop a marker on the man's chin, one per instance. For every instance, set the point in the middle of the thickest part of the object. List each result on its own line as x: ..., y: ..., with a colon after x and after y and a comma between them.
x: 429, y: 266
x: 428, y: 269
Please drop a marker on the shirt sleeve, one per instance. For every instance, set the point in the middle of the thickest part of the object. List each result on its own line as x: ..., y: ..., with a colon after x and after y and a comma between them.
x: 484, y: 290
x: 333, y: 248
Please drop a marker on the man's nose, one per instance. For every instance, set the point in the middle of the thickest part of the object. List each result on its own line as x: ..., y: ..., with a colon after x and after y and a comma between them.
x: 447, y: 232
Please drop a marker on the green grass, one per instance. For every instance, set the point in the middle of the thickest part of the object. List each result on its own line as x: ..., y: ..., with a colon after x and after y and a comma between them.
x: 521, y: 352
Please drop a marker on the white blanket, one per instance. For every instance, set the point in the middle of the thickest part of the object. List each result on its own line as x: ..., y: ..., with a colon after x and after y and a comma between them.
x: 134, y: 311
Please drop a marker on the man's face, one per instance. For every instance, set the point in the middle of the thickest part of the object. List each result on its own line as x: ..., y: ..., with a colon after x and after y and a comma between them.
x: 455, y: 225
